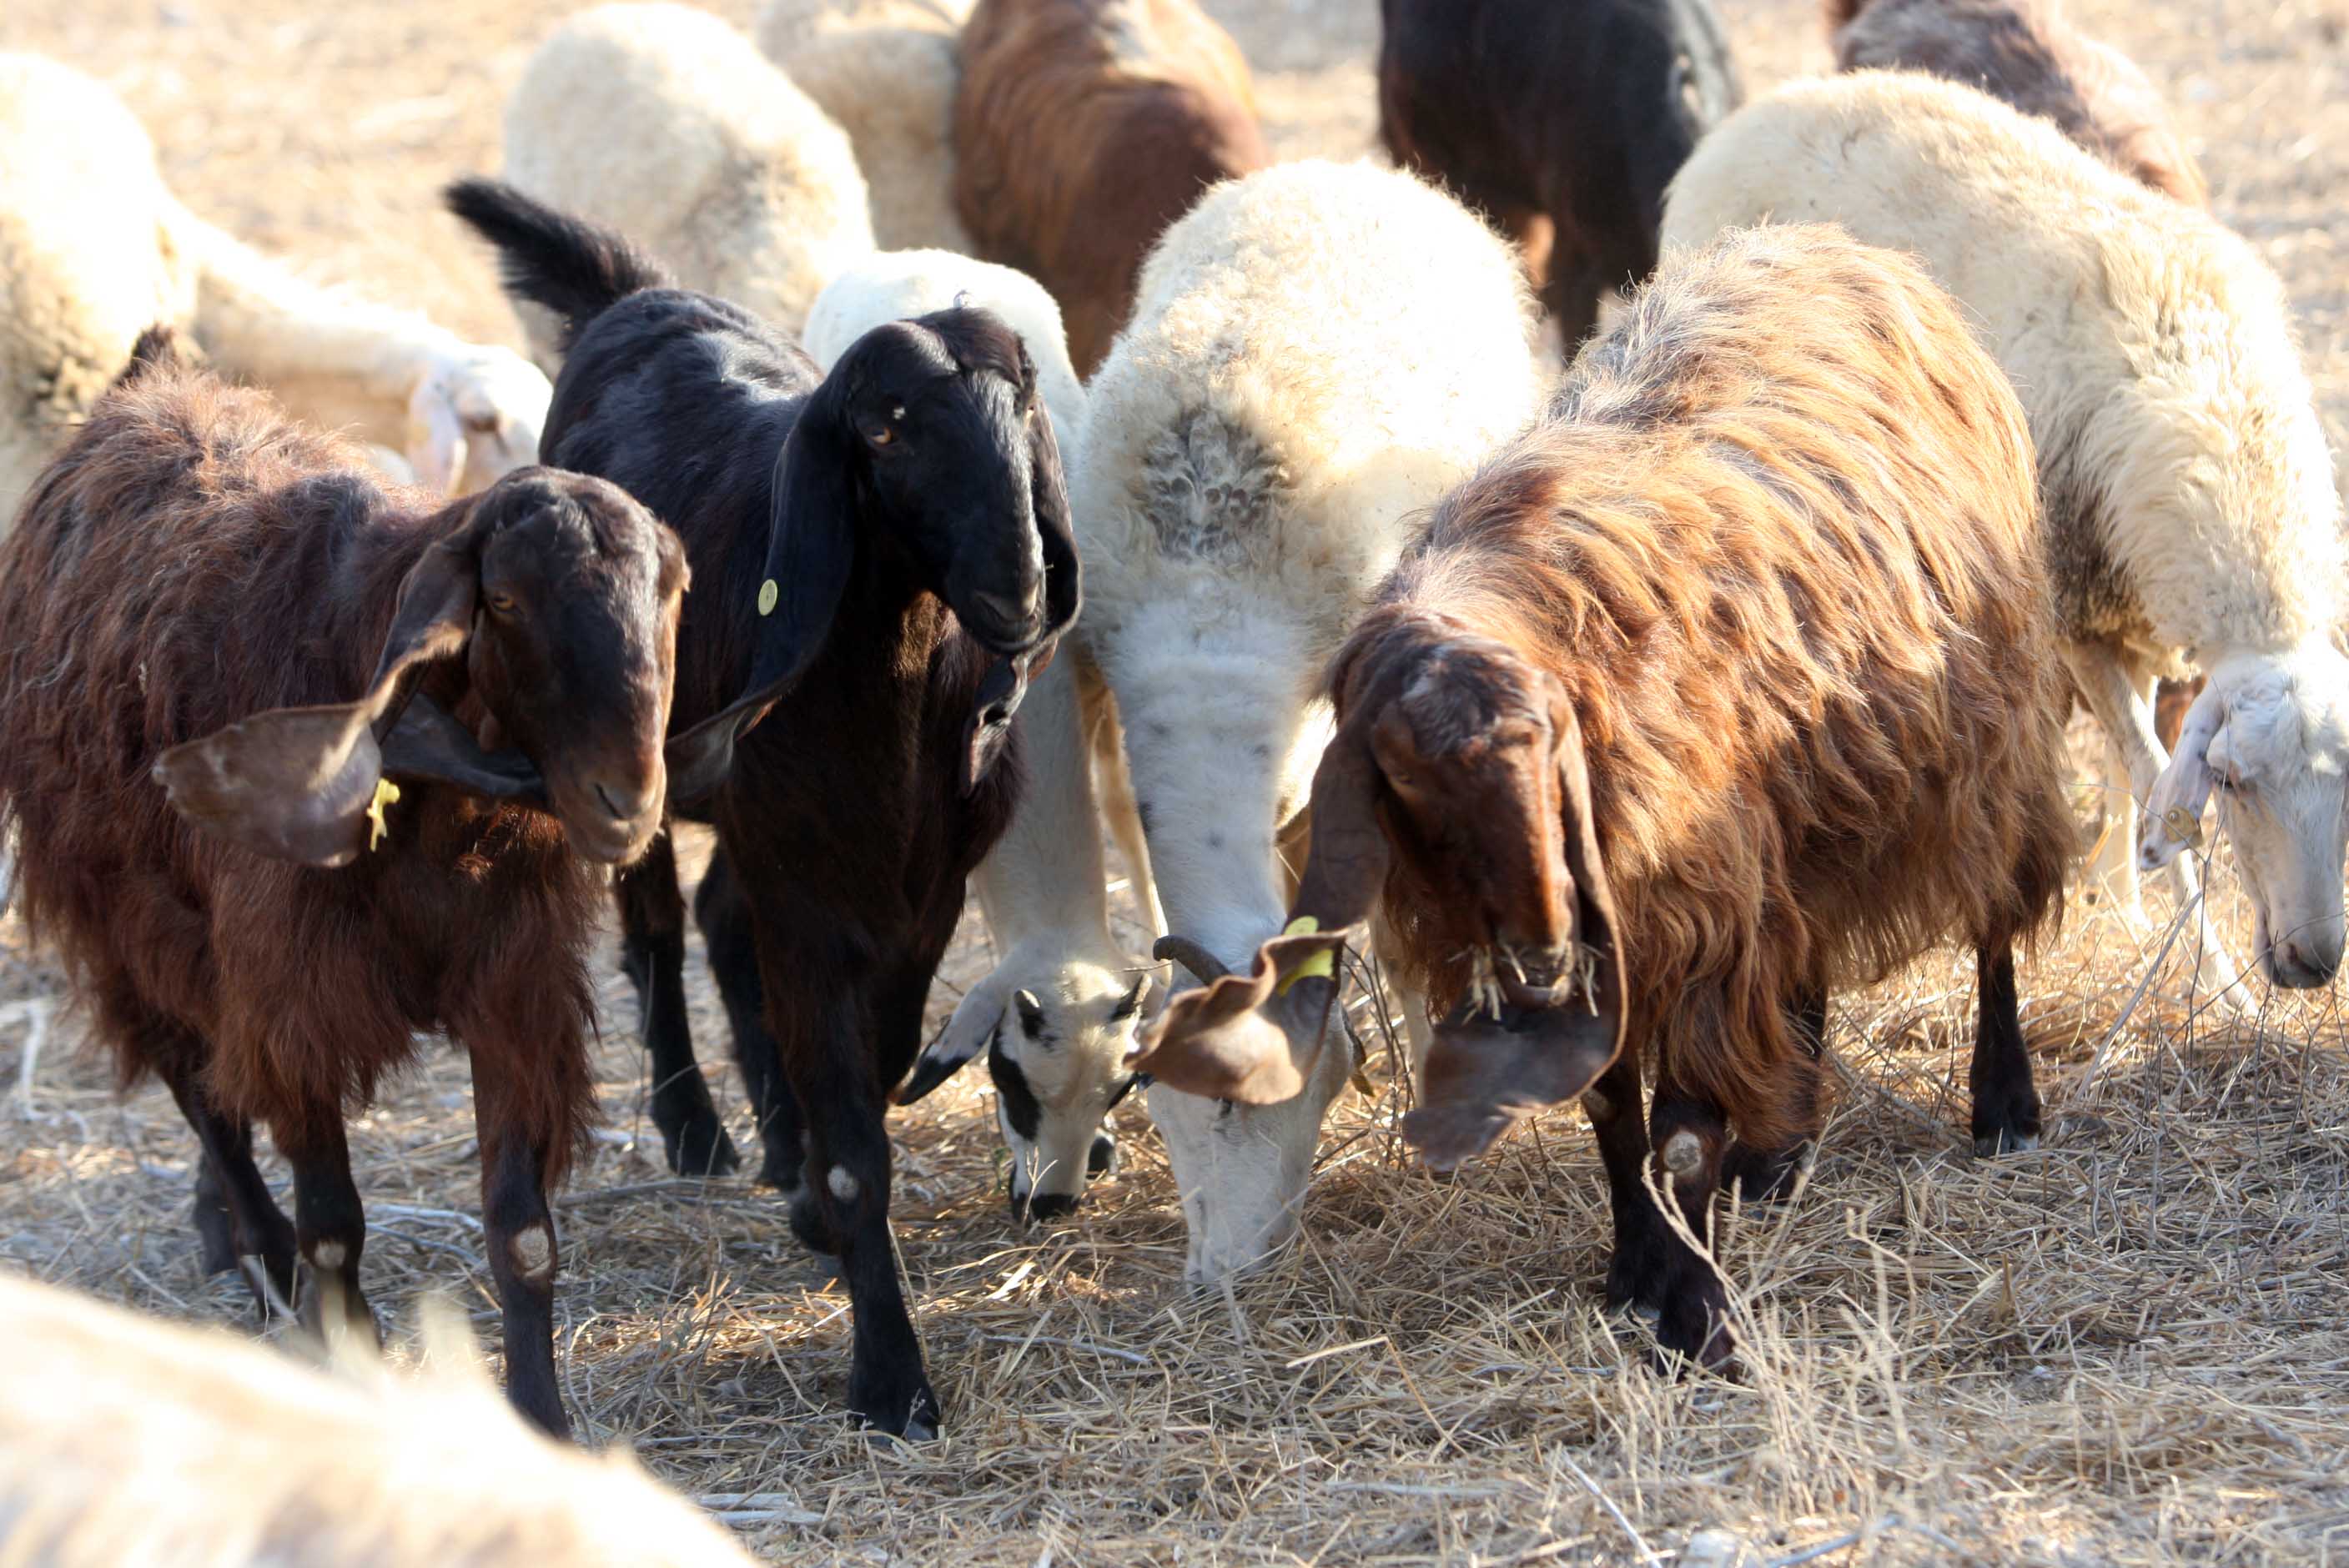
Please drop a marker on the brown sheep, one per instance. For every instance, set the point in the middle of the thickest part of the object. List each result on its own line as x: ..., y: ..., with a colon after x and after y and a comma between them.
x: 1730, y: 683
x: 1082, y: 128
x: 195, y: 592
x: 2026, y: 54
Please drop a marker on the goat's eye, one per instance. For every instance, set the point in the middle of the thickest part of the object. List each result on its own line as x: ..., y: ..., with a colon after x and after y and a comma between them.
x: 504, y: 604
x: 881, y: 435
x: 482, y: 424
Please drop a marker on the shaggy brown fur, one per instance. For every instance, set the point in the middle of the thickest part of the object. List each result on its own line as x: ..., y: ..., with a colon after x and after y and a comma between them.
x: 1729, y: 683
x: 2024, y: 53
x: 1082, y: 128
x: 192, y: 559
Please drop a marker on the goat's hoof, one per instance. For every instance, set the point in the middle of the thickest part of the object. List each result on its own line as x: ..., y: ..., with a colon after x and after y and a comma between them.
x: 1762, y: 1175
x: 896, y: 1406
x: 2009, y: 1129
x: 700, y: 1148
x: 215, y: 1237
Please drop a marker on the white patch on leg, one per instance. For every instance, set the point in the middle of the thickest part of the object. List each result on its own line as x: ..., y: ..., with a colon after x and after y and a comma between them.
x: 327, y: 1254
x: 1683, y: 1152
x: 533, y: 1252
x: 842, y: 1183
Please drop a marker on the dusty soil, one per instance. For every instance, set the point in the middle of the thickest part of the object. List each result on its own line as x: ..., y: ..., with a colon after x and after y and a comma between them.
x: 2127, y: 1347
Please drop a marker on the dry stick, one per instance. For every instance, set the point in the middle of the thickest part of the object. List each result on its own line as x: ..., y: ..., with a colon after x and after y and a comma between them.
x: 1638, y: 1542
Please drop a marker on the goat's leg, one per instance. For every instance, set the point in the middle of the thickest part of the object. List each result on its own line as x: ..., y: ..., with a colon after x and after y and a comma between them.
x: 848, y: 1182
x: 1763, y: 1174
x: 1655, y: 1273
x: 724, y: 916
x: 1576, y: 283
x: 329, y: 1224
x: 2006, y: 1102
x: 652, y: 952
x: 517, y: 1229
x: 1113, y: 783
x: 255, y: 1227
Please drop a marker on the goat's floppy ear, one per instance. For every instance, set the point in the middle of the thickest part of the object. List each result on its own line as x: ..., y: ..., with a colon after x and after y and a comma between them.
x: 436, y: 437
x: 299, y: 783
x: 1048, y: 488
x: 1486, y: 1073
x: 976, y: 1018
x: 1346, y: 862
x: 2173, y: 812
x: 811, y: 546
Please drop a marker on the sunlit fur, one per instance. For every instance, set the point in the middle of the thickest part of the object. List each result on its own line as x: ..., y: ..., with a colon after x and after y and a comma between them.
x: 1289, y: 399
x: 1774, y: 542
x: 667, y: 125
x: 2027, y: 54
x: 1082, y: 128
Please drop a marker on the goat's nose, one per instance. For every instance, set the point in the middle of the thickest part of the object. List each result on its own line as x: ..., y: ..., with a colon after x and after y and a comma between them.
x: 1008, y: 612
x: 2308, y: 963
x: 624, y: 806
x: 1044, y: 1206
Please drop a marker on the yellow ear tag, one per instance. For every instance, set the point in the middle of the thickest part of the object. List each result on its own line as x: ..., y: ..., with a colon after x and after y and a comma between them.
x: 2185, y: 828
x: 386, y: 792
x: 1322, y: 966
x: 768, y: 593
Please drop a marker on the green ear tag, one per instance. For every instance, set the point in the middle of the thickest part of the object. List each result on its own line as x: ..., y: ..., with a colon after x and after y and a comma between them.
x: 379, y: 829
x: 1322, y: 965
x: 768, y: 592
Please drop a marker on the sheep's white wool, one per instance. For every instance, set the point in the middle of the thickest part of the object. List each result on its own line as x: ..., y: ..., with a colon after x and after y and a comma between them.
x: 94, y: 249
x: 667, y: 125
x: 1317, y: 352
x: 2191, y: 518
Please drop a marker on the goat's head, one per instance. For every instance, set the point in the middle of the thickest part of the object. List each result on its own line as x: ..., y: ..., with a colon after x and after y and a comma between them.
x: 927, y: 440
x: 1458, y: 771
x: 1057, y: 1049
x: 561, y: 593
x: 474, y: 416
x: 2270, y: 734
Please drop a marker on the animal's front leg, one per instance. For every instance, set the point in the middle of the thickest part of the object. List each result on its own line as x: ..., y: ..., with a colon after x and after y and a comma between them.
x: 652, y: 952
x: 517, y: 1229
x: 329, y: 1224
x: 724, y: 916
x: 235, y: 1214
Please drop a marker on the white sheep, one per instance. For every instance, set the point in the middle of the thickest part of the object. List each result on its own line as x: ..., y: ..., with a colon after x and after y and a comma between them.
x: 665, y: 123
x: 1057, y: 1012
x: 125, y: 1440
x: 2190, y: 515
x: 1318, y: 351
x: 885, y: 71
x: 94, y: 248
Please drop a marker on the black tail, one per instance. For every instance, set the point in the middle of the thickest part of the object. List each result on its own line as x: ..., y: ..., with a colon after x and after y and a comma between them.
x: 158, y: 349
x: 552, y: 259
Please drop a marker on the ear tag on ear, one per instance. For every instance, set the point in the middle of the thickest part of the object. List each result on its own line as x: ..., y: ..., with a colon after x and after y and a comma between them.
x: 2185, y: 828
x: 379, y: 829
x: 768, y: 595
x: 1322, y: 965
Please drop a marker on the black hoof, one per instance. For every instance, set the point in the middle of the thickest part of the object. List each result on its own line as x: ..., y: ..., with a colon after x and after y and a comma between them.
x: 699, y: 1147
x: 2007, y: 1126
x: 1680, y: 1296
x: 901, y: 1407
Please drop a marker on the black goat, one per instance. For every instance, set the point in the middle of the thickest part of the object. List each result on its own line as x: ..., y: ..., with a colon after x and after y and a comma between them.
x: 906, y: 519
x: 195, y: 592
x: 1563, y: 124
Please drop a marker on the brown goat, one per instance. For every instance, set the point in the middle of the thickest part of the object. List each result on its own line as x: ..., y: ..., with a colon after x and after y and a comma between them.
x: 196, y: 589
x: 2024, y: 53
x: 1082, y: 128
x: 1729, y: 683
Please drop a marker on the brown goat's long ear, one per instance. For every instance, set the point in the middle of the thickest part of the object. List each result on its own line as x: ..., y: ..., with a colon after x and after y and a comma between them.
x: 299, y: 783
x: 1486, y: 1073
x: 1346, y: 858
x: 810, y: 549
x: 1252, y: 1039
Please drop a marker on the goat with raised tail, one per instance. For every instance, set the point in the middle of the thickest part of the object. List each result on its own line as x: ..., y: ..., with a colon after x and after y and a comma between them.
x: 229, y: 660
x: 884, y: 555
x: 1730, y: 683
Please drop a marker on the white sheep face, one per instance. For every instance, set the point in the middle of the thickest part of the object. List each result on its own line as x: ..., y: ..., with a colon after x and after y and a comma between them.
x: 475, y: 417
x: 2270, y: 736
x: 1059, y: 1066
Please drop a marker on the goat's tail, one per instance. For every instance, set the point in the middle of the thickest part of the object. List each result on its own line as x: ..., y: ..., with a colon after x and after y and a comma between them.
x: 158, y: 349
x: 552, y: 259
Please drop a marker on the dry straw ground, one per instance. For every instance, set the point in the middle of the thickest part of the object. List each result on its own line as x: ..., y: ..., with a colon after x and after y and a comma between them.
x: 2127, y: 1348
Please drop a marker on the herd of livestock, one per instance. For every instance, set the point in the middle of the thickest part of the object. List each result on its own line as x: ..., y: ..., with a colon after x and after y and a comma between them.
x: 1227, y: 509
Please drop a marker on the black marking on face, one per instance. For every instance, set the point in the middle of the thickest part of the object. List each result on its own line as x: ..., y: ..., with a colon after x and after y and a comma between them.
x: 1018, y: 1102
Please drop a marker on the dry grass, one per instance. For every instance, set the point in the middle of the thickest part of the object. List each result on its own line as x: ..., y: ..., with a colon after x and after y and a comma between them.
x: 2127, y: 1348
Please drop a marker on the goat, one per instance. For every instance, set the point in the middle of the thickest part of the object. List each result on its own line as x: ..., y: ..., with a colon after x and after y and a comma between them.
x: 196, y: 588
x: 2191, y: 518
x: 2025, y: 53
x: 1562, y: 124
x: 125, y: 1441
x: 905, y: 520
x: 1291, y: 393
x: 1728, y: 682
x: 1082, y: 128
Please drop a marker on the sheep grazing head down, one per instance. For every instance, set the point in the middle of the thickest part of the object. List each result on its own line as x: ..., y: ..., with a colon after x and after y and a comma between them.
x: 2270, y: 734
x: 561, y: 595
x: 474, y: 418
x: 1456, y: 780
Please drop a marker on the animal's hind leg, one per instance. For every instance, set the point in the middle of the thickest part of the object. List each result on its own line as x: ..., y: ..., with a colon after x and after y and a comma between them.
x: 724, y: 917
x: 329, y: 1224
x: 652, y: 952
x: 1762, y: 1174
x: 235, y: 1214
x: 2006, y: 1102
